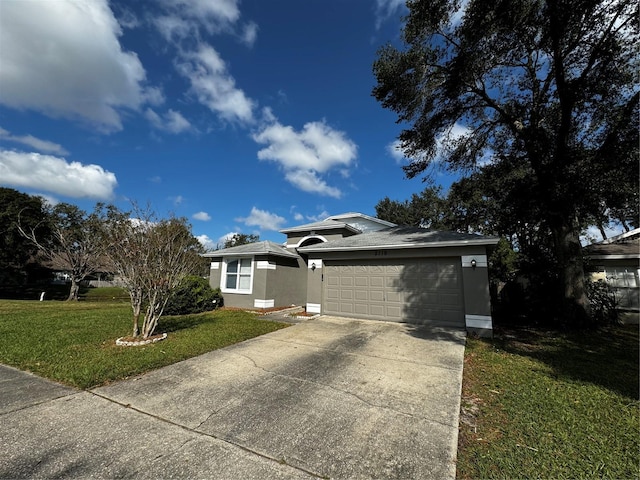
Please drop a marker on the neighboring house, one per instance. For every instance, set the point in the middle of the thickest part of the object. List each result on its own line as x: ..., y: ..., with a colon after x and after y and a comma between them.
x: 354, y: 265
x: 617, y: 261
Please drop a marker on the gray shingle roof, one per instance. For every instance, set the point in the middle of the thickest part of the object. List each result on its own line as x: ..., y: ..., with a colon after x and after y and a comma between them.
x: 628, y: 248
x: 401, y: 237
x: 259, y: 248
x: 323, y: 225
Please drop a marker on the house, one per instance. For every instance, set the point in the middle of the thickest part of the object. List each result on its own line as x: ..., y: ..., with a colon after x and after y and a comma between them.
x: 616, y: 260
x: 354, y: 265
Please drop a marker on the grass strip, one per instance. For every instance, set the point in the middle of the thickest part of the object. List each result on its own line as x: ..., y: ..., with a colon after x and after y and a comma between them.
x: 542, y: 404
x: 74, y: 342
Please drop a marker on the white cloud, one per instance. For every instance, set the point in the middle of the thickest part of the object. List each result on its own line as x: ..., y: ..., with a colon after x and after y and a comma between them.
x: 206, y: 242
x: 171, y: 121
x: 387, y: 8
x: 56, y: 175
x: 202, y: 216
x: 250, y: 33
x: 308, y: 181
x: 263, y: 220
x: 213, y: 15
x: 63, y: 58
x: 44, y: 146
x: 177, y: 200
x: 298, y: 217
x: 303, y: 155
x: 319, y: 217
x: 213, y: 86
x: 395, y: 150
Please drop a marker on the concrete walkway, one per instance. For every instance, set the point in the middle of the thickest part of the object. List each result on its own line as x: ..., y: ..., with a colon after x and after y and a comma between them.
x: 329, y: 397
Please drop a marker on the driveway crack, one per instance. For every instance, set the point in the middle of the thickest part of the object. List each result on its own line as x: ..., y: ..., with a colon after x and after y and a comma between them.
x: 341, y: 391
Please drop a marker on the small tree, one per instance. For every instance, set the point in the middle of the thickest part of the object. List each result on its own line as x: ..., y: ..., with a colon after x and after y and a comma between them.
x: 75, y: 244
x: 152, y: 256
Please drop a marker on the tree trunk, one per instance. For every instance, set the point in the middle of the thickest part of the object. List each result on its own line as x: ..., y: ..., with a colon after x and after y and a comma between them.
x: 136, y: 306
x: 574, y: 302
x: 75, y: 290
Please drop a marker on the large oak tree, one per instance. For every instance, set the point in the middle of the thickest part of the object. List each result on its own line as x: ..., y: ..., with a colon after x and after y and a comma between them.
x: 543, y: 93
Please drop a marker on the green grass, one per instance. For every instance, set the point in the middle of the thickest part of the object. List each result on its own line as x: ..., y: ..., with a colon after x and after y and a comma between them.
x: 74, y: 342
x: 548, y: 405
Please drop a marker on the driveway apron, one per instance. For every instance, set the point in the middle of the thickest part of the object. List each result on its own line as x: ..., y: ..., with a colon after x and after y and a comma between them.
x: 328, y: 398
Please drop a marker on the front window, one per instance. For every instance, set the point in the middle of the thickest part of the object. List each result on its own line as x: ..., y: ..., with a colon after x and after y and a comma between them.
x: 237, y: 276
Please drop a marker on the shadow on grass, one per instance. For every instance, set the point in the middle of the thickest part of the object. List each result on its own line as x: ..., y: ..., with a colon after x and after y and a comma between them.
x: 176, y: 323
x: 607, y: 357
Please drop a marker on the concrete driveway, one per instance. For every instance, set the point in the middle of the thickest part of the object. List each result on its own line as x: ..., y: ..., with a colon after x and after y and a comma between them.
x: 329, y: 397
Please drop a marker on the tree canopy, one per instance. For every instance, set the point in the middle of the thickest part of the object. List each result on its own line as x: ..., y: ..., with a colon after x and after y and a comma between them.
x: 240, y: 239
x: 537, y: 95
x: 17, y: 253
x: 151, y: 256
x: 75, y: 244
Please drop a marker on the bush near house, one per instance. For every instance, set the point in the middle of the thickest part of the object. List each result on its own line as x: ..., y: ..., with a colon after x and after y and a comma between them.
x: 193, y: 295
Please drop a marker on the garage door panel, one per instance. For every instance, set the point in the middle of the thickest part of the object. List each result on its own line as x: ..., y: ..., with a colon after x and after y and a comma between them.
x: 332, y: 294
x: 346, y: 281
x: 395, y: 297
x: 346, y: 295
x: 376, y: 296
x: 413, y: 290
x: 346, y: 307
x: 361, y: 295
x: 361, y: 309
x: 394, y: 312
x: 361, y: 281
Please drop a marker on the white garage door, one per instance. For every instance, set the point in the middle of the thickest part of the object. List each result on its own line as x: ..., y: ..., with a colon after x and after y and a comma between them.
x: 422, y: 291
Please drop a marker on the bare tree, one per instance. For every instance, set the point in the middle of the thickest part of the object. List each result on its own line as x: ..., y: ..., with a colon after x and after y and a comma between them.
x: 75, y: 242
x: 151, y: 256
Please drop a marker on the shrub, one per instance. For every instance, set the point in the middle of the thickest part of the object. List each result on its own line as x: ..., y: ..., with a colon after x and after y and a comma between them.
x: 193, y: 295
x: 603, y: 302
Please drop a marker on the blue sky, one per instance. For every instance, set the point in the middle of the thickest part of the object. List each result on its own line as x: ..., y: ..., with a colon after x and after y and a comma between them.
x: 243, y: 116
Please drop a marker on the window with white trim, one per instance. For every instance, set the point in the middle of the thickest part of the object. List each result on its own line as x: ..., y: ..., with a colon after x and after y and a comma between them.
x: 237, y: 275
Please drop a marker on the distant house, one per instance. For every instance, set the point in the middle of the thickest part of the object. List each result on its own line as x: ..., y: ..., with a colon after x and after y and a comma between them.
x: 354, y: 265
x: 617, y: 261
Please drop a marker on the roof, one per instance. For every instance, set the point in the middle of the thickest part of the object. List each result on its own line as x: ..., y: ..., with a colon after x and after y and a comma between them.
x: 259, y: 248
x: 323, y: 225
x: 361, y: 215
x: 401, y: 238
x: 338, y: 221
x: 621, y: 249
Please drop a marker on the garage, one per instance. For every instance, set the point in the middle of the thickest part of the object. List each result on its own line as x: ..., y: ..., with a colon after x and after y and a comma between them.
x: 413, y: 290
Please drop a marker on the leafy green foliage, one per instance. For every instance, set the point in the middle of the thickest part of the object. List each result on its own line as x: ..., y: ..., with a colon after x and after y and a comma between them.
x: 515, y: 90
x: 240, y: 239
x: 17, y: 255
x: 192, y: 295
x: 603, y: 302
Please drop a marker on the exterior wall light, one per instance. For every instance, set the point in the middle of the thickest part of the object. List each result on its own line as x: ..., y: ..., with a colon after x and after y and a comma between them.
x: 473, y: 263
x: 313, y: 266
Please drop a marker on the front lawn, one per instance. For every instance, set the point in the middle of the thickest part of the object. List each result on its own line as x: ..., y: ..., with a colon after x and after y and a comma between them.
x: 542, y: 404
x: 74, y: 342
